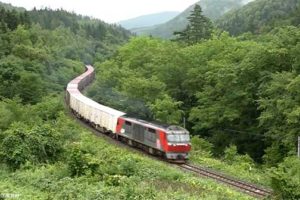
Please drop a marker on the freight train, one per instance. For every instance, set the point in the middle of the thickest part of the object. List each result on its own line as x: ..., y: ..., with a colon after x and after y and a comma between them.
x: 169, y: 141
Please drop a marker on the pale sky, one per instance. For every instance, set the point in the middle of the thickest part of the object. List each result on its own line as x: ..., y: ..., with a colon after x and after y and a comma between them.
x: 108, y: 10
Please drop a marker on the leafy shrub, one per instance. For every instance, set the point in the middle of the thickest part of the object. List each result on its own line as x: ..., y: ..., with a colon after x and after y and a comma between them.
x: 128, y: 166
x: 81, y: 162
x: 201, y: 146
x: 113, y: 180
x: 231, y: 154
x: 285, y: 179
x: 242, y: 162
x: 37, y: 144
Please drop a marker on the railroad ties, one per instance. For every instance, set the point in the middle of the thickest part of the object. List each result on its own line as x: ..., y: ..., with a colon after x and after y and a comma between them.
x: 248, y: 188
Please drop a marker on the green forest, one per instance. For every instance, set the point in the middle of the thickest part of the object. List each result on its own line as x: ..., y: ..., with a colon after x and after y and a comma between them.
x: 231, y: 82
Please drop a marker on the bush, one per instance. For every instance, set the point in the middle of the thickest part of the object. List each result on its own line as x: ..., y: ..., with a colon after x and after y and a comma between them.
x: 128, y: 166
x: 82, y: 162
x: 232, y: 157
x: 37, y: 144
x: 285, y: 179
x: 200, y: 145
x: 231, y: 154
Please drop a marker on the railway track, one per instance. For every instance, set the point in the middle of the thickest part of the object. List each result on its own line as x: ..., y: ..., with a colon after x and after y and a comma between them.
x: 251, y: 189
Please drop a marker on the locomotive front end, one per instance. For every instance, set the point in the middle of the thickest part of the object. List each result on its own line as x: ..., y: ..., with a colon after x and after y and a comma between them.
x: 179, y: 144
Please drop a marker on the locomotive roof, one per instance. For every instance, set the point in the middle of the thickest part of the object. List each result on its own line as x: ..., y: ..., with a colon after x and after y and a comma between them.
x: 163, y: 126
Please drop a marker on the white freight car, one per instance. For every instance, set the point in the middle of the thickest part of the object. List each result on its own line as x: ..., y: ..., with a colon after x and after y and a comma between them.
x: 102, y: 116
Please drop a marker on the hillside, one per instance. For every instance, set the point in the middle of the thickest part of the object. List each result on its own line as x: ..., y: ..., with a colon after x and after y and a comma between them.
x: 238, y: 97
x: 45, y: 154
x: 148, y: 20
x: 211, y: 8
x: 106, y: 37
x: 41, y: 50
x: 261, y: 16
x: 8, y: 6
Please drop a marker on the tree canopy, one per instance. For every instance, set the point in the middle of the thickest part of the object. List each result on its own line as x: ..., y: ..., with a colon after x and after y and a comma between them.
x: 198, y: 28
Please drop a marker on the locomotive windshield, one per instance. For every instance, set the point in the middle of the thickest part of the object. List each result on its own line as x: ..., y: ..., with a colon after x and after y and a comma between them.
x: 178, y: 135
x: 178, y: 138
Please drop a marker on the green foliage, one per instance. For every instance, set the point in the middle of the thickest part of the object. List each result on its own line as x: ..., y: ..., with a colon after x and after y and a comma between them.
x: 166, y: 110
x: 201, y: 145
x: 81, y: 162
x: 12, y: 18
x: 128, y: 166
x: 37, y: 144
x: 244, y: 162
x: 199, y: 28
x: 122, y: 174
x: 223, y: 85
x: 38, y: 55
x: 31, y: 88
x: 213, y: 9
x: 91, y: 28
x: 10, y: 111
x: 285, y: 179
x: 261, y: 16
x: 240, y: 91
x: 230, y: 154
x: 280, y: 115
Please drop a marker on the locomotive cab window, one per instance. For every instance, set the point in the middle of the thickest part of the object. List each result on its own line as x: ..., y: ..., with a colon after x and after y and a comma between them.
x: 151, y: 130
x: 128, y: 123
x: 151, y: 135
x: 178, y: 138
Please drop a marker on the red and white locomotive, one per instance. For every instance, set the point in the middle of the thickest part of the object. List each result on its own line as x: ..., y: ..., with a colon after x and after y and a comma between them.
x: 172, y: 142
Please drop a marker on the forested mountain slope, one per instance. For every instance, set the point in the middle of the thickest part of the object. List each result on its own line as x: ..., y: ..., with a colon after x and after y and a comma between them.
x: 10, y: 7
x: 261, y: 16
x: 43, y: 153
x: 105, y: 35
x: 46, y: 48
x: 211, y: 8
x: 148, y: 20
x: 241, y: 95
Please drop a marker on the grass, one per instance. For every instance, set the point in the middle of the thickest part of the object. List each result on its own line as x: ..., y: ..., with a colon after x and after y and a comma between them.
x: 122, y: 174
x: 238, y: 167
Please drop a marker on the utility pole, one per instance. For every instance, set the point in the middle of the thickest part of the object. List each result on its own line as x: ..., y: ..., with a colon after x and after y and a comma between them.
x: 298, y: 146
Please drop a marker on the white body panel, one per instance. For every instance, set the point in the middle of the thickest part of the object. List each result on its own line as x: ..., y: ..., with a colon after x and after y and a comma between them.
x: 90, y: 110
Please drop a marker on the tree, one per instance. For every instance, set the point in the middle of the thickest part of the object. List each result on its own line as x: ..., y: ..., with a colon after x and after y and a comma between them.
x: 166, y: 110
x: 31, y: 88
x: 199, y: 27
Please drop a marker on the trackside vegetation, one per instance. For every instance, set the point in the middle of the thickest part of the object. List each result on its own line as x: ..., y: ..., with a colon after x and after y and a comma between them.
x: 58, y: 159
x: 237, y: 92
x: 46, y: 155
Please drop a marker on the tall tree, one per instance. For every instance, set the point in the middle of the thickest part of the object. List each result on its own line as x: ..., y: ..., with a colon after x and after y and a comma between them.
x: 199, y: 27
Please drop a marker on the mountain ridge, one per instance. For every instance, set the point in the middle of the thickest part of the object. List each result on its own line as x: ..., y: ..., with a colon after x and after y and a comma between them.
x: 148, y: 20
x: 213, y: 9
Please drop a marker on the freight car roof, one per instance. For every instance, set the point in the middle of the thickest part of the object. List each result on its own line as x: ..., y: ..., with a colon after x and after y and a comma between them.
x: 98, y: 106
x: 89, y: 70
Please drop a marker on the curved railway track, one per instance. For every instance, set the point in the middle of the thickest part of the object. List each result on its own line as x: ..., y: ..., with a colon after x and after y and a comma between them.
x: 248, y: 188
x: 251, y: 189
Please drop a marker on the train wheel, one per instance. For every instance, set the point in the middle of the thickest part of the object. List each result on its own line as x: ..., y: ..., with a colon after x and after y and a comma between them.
x: 151, y: 151
x: 129, y: 142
